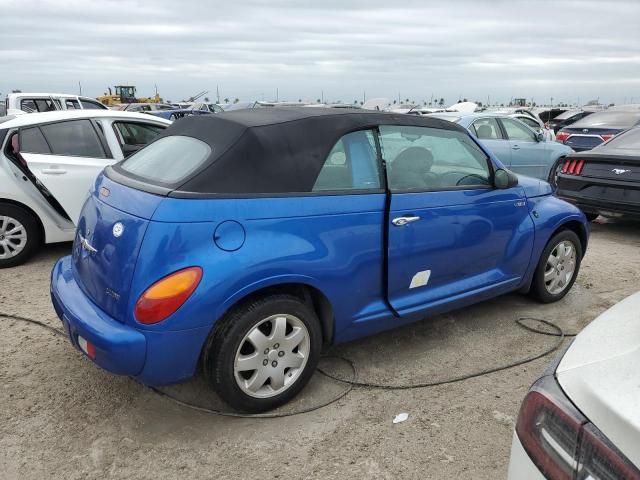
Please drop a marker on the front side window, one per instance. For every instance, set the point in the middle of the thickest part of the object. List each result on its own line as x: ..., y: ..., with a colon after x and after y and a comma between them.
x: 351, y: 165
x: 132, y: 133
x: 423, y: 159
x: 517, y: 131
x: 487, y: 129
x: 75, y: 138
x: 168, y: 160
x: 530, y: 122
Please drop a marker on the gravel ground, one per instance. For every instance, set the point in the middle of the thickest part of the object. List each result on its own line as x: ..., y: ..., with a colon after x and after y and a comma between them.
x: 61, y: 417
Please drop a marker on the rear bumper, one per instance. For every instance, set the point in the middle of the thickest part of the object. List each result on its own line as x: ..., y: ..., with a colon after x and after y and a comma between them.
x: 604, y: 197
x: 152, y: 357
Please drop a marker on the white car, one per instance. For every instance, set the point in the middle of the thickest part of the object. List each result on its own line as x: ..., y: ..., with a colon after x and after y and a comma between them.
x: 24, y: 102
x: 582, y: 418
x: 536, y: 125
x: 48, y: 162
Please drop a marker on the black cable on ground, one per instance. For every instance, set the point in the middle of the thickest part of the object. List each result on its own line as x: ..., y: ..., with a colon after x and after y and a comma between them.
x: 353, y: 382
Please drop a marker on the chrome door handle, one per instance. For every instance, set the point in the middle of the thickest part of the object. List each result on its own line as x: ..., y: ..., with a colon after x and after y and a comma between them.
x: 54, y: 171
x: 401, y: 221
x: 516, y: 147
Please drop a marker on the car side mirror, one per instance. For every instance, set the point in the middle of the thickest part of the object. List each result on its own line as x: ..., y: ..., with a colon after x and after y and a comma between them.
x: 540, y: 136
x: 504, y: 179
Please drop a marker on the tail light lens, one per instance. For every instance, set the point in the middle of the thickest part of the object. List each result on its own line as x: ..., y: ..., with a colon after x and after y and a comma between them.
x: 573, y: 166
x: 562, y: 443
x: 607, y: 136
x: 165, y: 296
x: 562, y: 136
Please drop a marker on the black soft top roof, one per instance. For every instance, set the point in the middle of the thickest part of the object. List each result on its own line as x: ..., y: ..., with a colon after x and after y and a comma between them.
x: 274, y: 150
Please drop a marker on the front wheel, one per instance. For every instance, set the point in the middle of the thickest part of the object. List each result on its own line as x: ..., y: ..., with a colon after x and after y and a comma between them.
x: 264, y: 353
x: 558, y: 267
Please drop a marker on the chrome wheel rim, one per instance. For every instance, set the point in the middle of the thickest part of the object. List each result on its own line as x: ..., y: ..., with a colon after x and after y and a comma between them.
x: 13, y: 237
x: 560, y: 267
x: 272, y: 356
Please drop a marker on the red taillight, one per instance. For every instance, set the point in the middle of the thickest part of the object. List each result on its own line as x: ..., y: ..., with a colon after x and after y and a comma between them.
x: 562, y: 136
x: 561, y: 442
x: 167, y: 295
x: 573, y: 167
x: 607, y: 136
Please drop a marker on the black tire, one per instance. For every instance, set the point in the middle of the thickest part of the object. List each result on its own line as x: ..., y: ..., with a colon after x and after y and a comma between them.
x: 538, y: 288
x: 553, y: 173
x: 222, y: 346
x: 32, y: 228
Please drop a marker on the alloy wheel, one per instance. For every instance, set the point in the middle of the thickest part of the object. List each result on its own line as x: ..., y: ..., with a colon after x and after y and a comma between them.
x: 560, y: 267
x: 13, y: 237
x: 271, y: 356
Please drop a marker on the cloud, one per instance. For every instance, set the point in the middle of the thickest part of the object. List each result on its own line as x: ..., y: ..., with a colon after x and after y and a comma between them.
x: 345, y: 48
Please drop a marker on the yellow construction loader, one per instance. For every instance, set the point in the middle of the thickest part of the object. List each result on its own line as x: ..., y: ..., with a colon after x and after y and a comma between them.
x: 126, y: 94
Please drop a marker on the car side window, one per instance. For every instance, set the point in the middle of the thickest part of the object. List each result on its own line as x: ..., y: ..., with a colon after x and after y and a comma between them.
x: 72, y: 104
x: 424, y: 159
x: 530, y: 122
x: 88, y: 105
x: 74, y: 138
x: 352, y: 164
x: 32, y: 105
x: 517, y: 131
x: 487, y: 129
x: 32, y: 141
x: 137, y: 134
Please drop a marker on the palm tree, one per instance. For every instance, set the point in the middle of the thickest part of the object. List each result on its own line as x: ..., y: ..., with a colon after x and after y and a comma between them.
x: 226, y: 100
x: 206, y: 99
x: 236, y: 100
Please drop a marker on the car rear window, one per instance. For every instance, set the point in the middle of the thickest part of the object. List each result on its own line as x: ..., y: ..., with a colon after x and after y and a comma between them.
x: 608, y: 120
x: 168, y: 160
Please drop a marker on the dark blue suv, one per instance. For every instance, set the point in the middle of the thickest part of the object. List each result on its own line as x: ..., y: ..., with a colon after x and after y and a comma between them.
x: 244, y: 241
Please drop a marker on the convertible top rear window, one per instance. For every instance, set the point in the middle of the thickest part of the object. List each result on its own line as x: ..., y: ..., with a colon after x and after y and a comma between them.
x: 168, y: 160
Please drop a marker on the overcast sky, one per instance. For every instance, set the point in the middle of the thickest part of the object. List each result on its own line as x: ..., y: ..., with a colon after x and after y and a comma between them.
x: 568, y: 50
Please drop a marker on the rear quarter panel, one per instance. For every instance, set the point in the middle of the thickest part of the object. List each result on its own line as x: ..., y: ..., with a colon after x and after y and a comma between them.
x: 332, y: 243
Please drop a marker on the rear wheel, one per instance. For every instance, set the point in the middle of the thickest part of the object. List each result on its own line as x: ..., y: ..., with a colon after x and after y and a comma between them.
x: 263, y: 353
x: 19, y: 235
x: 558, y: 267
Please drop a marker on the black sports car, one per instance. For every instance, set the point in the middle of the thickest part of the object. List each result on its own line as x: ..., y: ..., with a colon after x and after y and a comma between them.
x: 567, y: 118
x: 591, y: 131
x: 606, y: 180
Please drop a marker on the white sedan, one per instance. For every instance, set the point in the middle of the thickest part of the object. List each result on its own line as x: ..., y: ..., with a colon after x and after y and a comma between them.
x: 582, y: 418
x: 48, y: 162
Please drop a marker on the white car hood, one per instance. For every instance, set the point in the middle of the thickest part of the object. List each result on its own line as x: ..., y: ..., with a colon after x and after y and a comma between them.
x: 600, y: 373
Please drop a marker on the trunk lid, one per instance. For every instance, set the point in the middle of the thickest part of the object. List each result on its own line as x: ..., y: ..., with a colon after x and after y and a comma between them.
x: 587, y: 138
x: 109, y: 235
x: 611, y: 167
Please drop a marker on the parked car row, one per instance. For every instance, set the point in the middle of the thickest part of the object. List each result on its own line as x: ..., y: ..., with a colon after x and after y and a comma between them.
x: 48, y: 161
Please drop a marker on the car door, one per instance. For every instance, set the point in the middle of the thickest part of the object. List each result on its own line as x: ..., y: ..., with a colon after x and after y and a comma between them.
x: 488, y: 131
x: 66, y: 157
x: 528, y: 155
x: 451, y: 235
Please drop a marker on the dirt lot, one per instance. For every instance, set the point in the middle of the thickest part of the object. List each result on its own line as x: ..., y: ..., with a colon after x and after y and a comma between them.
x: 61, y: 417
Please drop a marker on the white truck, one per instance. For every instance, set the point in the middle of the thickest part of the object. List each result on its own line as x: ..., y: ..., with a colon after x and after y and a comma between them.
x: 18, y: 103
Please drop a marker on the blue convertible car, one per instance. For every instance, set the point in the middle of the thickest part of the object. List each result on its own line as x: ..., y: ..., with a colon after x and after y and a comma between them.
x: 242, y: 242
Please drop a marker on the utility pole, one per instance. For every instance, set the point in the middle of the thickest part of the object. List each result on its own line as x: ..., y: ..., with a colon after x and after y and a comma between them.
x: 321, y: 96
x: 276, y: 94
x: 217, y: 94
x: 80, y: 87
